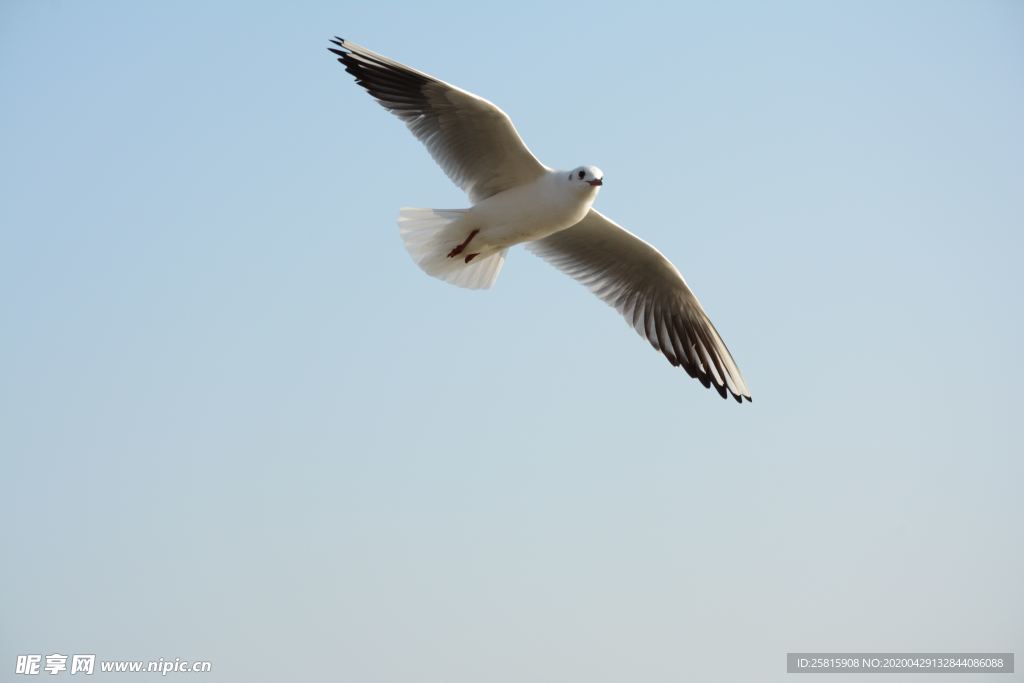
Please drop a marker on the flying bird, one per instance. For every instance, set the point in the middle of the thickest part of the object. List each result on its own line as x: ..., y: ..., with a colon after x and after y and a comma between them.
x: 517, y: 199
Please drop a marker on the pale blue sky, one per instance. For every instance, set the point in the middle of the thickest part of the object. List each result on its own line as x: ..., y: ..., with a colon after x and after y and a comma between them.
x: 238, y: 424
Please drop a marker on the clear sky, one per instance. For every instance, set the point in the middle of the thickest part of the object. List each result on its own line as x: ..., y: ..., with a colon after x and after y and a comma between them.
x: 238, y: 424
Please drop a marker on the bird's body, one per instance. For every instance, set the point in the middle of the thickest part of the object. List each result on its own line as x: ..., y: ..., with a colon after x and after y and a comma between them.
x: 532, y: 211
x: 516, y: 199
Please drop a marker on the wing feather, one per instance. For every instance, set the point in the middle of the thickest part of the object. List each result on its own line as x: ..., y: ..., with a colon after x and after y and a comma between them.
x: 644, y: 286
x: 471, y: 139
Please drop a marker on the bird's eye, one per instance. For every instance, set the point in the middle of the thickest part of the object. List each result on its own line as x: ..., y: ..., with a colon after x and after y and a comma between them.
x: 582, y: 174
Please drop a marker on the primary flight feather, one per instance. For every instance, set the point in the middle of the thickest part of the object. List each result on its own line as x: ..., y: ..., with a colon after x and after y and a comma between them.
x: 517, y: 199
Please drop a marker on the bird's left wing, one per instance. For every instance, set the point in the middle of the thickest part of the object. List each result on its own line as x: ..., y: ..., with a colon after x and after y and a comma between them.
x: 644, y: 286
x: 470, y: 138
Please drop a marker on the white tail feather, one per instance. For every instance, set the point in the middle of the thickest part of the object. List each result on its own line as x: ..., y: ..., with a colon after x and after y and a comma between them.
x: 429, y: 234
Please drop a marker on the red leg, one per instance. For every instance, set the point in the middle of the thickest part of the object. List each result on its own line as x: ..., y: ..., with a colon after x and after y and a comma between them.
x: 462, y: 247
x: 470, y: 257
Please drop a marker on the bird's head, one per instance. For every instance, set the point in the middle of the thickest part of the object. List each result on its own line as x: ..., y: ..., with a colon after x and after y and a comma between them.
x: 586, y: 177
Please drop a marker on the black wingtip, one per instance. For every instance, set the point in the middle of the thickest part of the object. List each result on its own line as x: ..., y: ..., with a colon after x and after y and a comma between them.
x: 739, y: 398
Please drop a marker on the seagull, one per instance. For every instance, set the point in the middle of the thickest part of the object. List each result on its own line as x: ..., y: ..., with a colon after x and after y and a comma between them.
x: 518, y: 200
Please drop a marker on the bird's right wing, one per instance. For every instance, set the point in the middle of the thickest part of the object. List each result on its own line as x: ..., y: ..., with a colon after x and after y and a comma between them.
x: 471, y: 139
x: 644, y: 286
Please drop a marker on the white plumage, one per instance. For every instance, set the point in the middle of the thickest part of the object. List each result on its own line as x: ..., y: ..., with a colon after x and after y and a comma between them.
x: 516, y: 199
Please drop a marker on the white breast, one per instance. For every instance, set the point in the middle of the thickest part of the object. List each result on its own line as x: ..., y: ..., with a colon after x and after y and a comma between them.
x: 531, y: 212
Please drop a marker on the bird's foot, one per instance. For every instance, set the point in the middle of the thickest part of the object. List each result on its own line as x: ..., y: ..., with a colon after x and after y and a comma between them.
x: 472, y: 256
x: 462, y: 247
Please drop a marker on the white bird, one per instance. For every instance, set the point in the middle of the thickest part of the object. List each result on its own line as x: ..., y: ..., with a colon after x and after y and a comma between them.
x: 517, y: 199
